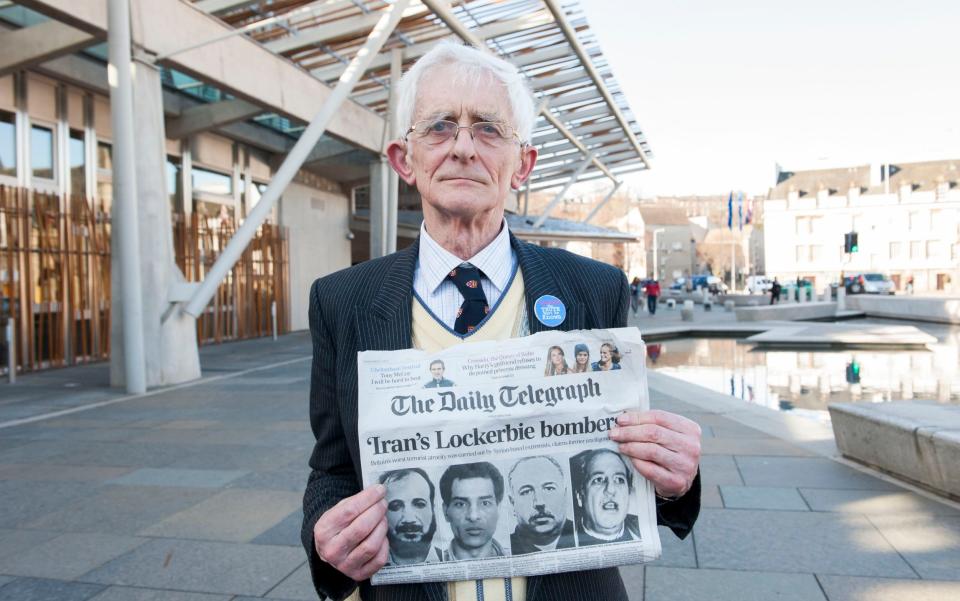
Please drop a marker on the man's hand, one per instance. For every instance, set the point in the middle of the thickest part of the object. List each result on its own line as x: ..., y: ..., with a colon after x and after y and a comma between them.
x: 664, y: 447
x: 351, y: 536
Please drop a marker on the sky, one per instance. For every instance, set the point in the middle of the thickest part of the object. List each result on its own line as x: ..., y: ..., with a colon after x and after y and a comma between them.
x: 725, y: 90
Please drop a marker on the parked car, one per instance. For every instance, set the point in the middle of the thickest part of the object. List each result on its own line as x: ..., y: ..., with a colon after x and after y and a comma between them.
x: 869, y: 283
x: 759, y: 284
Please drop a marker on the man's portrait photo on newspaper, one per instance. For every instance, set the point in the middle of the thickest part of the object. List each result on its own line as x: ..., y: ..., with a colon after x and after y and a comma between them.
x: 472, y: 493
x: 602, y: 489
x: 538, y: 493
x: 411, y: 516
x: 437, y: 379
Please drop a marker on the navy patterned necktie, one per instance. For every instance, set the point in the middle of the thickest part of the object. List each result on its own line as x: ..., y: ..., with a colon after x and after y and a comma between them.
x: 474, y: 307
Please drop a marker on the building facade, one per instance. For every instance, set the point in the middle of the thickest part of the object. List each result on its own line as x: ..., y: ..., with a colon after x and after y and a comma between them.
x: 906, y: 216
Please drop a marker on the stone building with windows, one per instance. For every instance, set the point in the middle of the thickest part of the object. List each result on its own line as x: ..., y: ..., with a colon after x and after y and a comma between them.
x: 906, y: 216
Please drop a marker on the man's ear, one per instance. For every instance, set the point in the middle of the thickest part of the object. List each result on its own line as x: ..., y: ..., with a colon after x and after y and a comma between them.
x: 397, y: 155
x: 528, y: 158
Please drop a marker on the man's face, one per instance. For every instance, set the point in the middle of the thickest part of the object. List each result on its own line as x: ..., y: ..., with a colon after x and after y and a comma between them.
x: 461, y: 179
x: 437, y: 370
x: 410, y: 519
x: 582, y: 358
x: 472, y: 512
x: 538, y: 496
x: 606, y: 493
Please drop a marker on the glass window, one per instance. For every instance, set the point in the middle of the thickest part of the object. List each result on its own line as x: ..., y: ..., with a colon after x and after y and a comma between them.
x: 78, y: 164
x: 41, y: 151
x: 934, y: 249
x: 896, y: 249
x: 801, y: 253
x: 255, y: 193
x: 8, y: 144
x: 104, y: 156
x: 174, y: 183
x: 211, y: 182
x: 916, y: 249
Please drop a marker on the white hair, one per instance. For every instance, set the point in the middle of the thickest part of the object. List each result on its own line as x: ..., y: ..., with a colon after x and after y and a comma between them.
x: 474, y: 65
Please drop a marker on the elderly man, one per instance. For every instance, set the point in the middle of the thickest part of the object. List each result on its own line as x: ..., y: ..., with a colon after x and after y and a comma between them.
x: 471, y: 494
x: 468, y: 120
x: 411, y: 521
x: 539, y: 496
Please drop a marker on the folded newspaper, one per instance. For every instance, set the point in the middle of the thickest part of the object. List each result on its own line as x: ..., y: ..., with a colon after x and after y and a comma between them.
x: 496, y: 457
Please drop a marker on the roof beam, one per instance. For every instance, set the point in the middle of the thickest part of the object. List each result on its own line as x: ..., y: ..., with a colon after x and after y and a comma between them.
x: 217, y: 6
x: 24, y: 48
x: 205, y: 117
x: 237, y: 65
x: 578, y: 48
x: 339, y: 29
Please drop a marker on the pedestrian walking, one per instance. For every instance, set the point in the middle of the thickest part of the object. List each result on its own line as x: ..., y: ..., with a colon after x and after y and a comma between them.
x: 653, y: 291
x: 775, y: 292
x: 635, y: 289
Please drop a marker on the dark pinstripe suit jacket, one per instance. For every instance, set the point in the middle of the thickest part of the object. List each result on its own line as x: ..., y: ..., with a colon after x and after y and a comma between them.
x: 368, y: 307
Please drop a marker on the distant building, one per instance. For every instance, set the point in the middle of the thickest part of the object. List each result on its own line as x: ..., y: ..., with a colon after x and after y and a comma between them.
x: 906, y: 216
x: 670, y: 238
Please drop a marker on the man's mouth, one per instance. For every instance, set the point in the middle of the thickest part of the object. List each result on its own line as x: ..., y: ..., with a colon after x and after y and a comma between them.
x: 610, y: 506
x: 410, y: 531
x: 475, y: 531
x: 542, y: 518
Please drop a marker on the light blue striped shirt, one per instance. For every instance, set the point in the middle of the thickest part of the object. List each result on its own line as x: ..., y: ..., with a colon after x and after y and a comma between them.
x: 497, y: 261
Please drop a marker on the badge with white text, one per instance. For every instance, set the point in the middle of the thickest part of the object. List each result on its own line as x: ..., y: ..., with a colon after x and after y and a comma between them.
x: 550, y: 310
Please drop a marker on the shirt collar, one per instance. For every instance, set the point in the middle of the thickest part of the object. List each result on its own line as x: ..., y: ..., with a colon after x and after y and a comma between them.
x: 495, y: 260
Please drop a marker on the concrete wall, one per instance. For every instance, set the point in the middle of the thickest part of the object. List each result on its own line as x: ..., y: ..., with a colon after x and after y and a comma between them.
x: 942, y: 310
x: 319, y: 221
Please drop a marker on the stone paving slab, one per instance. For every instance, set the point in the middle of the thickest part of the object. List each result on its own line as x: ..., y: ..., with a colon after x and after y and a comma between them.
x: 710, y: 495
x: 719, y: 470
x: 810, y: 472
x: 298, y: 586
x: 678, y: 584
x: 201, y: 566
x: 931, y: 544
x: 751, y: 446
x: 68, y: 556
x: 179, y: 477
x: 23, y: 501
x: 294, y: 480
x: 61, y: 473
x: 126, y: 593
x: 869, y: 502
x: 676, y: 552
x: 794, y: 541
x: 852, y: 588
x: 36, y: 589
x: 120, y: 509
x: 633, y: 581
x: 286, y: 532
x: 767, y: 497
x: 13, y: 542
x: 235, y: 515
x: 5, y: 579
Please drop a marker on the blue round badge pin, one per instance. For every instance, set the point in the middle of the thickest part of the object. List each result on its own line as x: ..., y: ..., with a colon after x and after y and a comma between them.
x: 549, y: 310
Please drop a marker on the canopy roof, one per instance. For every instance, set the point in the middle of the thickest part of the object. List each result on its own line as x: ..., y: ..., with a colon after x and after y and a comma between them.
x: 583, y: 109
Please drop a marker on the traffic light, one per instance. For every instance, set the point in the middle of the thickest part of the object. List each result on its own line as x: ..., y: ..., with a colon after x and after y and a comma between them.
x: 853, y: 372
x: 850, y: 244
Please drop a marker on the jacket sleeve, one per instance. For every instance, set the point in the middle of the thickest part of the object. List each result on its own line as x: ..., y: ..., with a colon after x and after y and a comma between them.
x: 332, y: 477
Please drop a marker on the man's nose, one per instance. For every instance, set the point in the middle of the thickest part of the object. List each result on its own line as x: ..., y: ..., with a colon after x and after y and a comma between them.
x: 464, y: 146
x: 473, y: 513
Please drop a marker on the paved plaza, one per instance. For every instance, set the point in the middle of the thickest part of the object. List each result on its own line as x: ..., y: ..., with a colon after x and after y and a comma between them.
x: 193, y: 494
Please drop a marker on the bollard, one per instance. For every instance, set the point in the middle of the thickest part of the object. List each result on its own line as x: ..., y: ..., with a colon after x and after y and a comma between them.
x: 707, y: 304
x: 11, y: 353
x: 686, y: 313
x: 841, y: 297
x: 729, y: 305
x: 273, y: 318
x: 671, y: 303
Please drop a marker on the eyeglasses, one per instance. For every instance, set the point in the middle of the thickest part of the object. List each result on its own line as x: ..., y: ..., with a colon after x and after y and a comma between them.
x: 435, y: 132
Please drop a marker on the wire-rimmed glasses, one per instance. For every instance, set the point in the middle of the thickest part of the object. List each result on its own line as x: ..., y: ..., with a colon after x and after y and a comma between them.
x: 435, y: 132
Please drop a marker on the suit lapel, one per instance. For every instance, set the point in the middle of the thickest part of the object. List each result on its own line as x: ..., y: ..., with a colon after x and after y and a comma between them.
x: 539, y: 280
x: 384, y: 322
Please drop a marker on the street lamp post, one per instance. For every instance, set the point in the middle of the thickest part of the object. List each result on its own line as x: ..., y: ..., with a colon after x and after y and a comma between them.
x: 656, y: 254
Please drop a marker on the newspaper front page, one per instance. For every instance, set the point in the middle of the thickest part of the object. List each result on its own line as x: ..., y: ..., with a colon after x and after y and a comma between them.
x: 496, y: 456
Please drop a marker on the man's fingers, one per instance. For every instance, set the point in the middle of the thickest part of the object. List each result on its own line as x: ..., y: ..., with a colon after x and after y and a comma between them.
x: 680, y: 463
x: 364, y: 555
x: 344, y: 542
x: 374, y: 565
x: 341, y: 515
x: 666, y: 482
x: 668, y: 420
x: 653, y: 433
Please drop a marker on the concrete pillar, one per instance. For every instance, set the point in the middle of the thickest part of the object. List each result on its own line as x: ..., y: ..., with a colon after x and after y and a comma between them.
x: 841, y: 297
x: 170, y: 346
x: 379, y: 206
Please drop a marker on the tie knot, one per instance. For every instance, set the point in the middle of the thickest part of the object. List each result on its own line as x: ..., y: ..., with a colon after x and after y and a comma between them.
x: 467, y: 279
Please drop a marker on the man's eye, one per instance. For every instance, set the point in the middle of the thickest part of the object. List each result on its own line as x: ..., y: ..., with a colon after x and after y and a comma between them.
x: 549, y: 487
x: 419, y: 503
x: 596, y: 481
x: 620, y: 479
x: 395, y: 505
x: 486, y: 503
x: 439, y: 127
x: 458, y: 504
